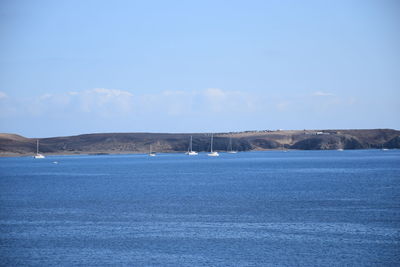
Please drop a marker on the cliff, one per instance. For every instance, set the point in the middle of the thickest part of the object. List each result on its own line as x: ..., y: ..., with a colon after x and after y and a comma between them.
x: 12, y: 144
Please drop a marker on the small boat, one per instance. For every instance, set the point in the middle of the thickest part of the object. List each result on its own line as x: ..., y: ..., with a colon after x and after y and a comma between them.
x: 38, y: 155
x: 212, y: 153
x: 151, y: 153
x: 190, y: 151
x: 230, y: 150
x: 340, y: 149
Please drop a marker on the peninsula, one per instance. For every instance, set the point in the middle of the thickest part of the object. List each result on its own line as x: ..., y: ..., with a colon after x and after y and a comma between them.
x: 117, y: 143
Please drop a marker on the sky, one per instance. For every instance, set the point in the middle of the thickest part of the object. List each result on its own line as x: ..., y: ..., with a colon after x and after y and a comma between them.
x: 72, y: 67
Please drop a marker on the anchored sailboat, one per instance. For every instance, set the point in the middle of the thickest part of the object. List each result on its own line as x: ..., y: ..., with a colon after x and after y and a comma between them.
x: 151, y: 153
x: 190, y: 149
x: 38, y: 155
x: 230, y: 150
x: 212, y: 153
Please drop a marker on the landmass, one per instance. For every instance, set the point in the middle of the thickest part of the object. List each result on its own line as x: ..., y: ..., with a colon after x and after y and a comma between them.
x: 117, y: 143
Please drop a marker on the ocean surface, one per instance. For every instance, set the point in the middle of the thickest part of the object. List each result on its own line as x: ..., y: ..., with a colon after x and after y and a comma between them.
x: 275, y: 208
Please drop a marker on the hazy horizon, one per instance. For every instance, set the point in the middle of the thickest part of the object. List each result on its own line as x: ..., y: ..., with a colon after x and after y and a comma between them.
x: 79, y: 67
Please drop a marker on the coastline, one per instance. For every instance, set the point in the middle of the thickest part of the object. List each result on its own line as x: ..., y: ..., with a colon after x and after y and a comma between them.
x: 31, y: 155
x: 13, y: 145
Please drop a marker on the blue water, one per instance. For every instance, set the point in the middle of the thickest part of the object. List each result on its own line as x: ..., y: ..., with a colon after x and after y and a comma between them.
x: 300, y: 208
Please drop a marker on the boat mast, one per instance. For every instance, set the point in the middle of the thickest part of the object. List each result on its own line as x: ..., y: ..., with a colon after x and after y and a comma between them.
x: 211, y: 143
x: 190, y: 146
x: 37, y: 146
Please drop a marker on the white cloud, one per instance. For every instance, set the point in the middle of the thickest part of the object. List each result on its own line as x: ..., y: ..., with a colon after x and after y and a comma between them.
x: 107, y: 103
x: 210, y: 102
x: 199, y: 102
x: 174, y: 93
x: 110, y: 92
x: 102, y: 109
x: 46, y: 96
x: 282, y: 105
x: 3, y: 95
x: 215, y: 93
x: 218, y: 100
x: 321, y: 93
x: 99, y: 102
x: 103, y: 101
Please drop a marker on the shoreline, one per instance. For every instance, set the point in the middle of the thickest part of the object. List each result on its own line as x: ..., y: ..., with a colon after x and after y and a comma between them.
x: 17, y: 155
x: 12, y: 145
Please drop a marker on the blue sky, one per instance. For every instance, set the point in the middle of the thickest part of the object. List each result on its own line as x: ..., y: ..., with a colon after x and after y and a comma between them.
x: 72, y: 67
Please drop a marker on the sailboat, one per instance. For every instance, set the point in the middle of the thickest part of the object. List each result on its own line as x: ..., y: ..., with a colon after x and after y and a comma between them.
x: 151, y: 153
x: 212, y: 153
x: 38, y: 155
x: 230, y: 150
x: 190, y: 149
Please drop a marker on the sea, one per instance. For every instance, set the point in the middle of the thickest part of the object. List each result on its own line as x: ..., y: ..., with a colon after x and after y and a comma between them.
x: 271, y: 208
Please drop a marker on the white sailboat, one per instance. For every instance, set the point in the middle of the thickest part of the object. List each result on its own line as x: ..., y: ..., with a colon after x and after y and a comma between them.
x: 151, y: 153
x: 230, y: 150
x: 212, y: 153
x: 38, y: 155
x: 190, y: 149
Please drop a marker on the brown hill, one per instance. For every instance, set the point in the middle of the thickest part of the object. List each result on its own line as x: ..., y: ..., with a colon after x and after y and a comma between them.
x: 12, y: 144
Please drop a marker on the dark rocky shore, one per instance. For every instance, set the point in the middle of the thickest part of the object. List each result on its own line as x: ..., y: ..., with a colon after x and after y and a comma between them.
x: 114, y: 143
